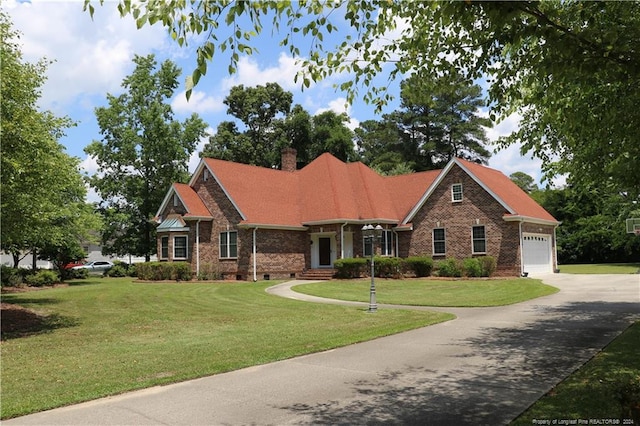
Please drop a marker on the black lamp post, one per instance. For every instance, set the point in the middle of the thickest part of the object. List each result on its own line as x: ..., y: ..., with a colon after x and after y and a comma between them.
x: 369, y: 232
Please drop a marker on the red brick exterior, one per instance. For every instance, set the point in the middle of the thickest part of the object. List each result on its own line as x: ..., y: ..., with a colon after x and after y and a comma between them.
x: 285, y: 253
x: 477, y: 207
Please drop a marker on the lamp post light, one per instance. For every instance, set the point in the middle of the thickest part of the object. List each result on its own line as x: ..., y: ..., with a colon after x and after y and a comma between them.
x: 369, y: 232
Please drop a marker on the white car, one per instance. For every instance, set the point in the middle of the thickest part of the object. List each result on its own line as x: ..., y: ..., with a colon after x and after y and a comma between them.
x: 96, y: 265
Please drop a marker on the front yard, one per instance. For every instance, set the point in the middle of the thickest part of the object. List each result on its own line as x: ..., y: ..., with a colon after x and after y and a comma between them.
x: 433, y: 292
x: 101, y: 337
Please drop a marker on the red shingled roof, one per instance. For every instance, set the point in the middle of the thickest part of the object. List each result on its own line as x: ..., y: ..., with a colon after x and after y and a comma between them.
x: 503, y: 188
x: 191, y: 201
x: 329, y: 190
x: 262, y: 196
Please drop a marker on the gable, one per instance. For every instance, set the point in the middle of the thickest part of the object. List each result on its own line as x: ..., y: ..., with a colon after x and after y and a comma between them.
x: 182, y: 199
x: 518, y: 205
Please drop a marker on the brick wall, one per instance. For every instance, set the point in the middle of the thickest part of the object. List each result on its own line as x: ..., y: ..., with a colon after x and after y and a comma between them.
x: 477, y: 207
x: 279, y: 253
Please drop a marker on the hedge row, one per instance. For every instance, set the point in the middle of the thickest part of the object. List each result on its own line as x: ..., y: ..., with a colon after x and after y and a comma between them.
x: 387, y: 267
x: 419, y: 266
x: 483, y: 266
x: 159, y: 271
x: 15, y: 277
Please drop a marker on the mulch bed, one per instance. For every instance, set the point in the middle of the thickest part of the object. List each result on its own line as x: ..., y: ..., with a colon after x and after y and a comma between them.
x: 17, y: 321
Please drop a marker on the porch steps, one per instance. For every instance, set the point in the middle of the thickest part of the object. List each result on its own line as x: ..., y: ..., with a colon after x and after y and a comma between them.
x: 317, y: 274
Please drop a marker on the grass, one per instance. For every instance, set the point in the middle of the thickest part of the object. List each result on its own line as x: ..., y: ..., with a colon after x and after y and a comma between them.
x: 449, y: 293
x: 592, y: 392
x: 108, y: 336
x: 601, y: 268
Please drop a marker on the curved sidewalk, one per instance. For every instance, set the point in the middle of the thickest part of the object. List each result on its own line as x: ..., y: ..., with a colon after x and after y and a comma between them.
x: 484, y: 368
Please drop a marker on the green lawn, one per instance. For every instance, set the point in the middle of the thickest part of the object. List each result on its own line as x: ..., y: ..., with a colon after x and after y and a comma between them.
x: 107, y: 336
x: 601, y: 268
x: 460, y: 293
x: 592, y: 391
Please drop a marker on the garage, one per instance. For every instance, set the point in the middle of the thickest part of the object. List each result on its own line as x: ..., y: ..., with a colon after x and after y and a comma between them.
x: 536, y: 254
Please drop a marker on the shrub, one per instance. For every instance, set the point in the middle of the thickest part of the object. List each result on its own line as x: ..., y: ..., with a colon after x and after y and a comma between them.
x: 472, y: 267
x: 158, y: 271
x: 449, y: 268
x: 350, y: 267
x: 118, y: 270
x: 42, y: 278
x: 74, y: 274
x: 421, y: 266
x: 388, y: 267
x: 208, y: 272
x: 132, y: 272
x: 488, y: 265
x: 11, y: 277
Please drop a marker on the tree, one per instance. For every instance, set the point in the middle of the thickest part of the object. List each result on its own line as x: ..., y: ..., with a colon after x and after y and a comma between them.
x: 569, y: 68
x: 42, y: 189
x: 593, y: 224
x: 142, y: 152
x: 261, y: 110
x: 438, y: 119
x: 271, y: 125
x: 524, y: 181
x: 330, y: 134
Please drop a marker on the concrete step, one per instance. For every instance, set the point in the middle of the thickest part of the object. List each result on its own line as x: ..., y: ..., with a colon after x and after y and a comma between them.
x: 317, y: 274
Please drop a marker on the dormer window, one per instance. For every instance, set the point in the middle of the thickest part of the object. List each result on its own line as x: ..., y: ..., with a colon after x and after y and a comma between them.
x: 456, y: 192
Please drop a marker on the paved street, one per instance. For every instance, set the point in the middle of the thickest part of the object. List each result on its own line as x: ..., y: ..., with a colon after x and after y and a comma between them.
x: 485, y: 367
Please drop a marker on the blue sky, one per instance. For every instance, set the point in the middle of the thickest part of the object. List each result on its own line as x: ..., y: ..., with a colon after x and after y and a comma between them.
x: 93, y: 56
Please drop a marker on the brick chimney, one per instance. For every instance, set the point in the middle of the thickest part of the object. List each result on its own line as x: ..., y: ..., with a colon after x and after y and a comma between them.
x: 289, y: 160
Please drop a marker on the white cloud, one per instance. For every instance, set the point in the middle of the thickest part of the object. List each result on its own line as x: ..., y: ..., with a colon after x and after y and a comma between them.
x: 199, y: 103
x: 509, y: 160
x: 89, y: 166
x: 340, y: 106
x: 91, y: 56
x: 250, y: 74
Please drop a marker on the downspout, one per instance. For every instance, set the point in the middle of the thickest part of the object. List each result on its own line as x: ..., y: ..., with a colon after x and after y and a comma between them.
x: 395, y: 236
x: 255, y: 250
x: 521, y: 248
x: 342, y: 240
x: 198, y: 248
x: 556, y: 269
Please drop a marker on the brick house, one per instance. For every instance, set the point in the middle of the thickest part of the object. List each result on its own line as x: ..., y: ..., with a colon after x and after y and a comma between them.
x: 250, y: 223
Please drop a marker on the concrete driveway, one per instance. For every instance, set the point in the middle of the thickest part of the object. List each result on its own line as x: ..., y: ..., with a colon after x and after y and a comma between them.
x: 485, y: 367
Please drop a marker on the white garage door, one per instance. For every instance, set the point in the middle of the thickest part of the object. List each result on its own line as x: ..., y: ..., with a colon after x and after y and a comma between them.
x: 537, y: 254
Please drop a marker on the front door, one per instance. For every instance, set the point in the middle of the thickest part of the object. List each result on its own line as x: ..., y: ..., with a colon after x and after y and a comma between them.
x: 324, y: 247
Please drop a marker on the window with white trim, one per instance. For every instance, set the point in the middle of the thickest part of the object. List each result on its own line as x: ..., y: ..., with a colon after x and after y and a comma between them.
x: 180, y: 247
x: 176, y: 200
x: 456, y: 192
x: 229, y: 245
x: 479, y: 239
x: 164, y: 247
x: 386, y: 244
x: 439, y: 242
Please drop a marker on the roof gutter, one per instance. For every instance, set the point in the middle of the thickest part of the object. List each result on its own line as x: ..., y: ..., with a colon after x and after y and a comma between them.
x: 352, y: 221
x: 198, y: 248
x: 272, y: 226
x: 529, y: 219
